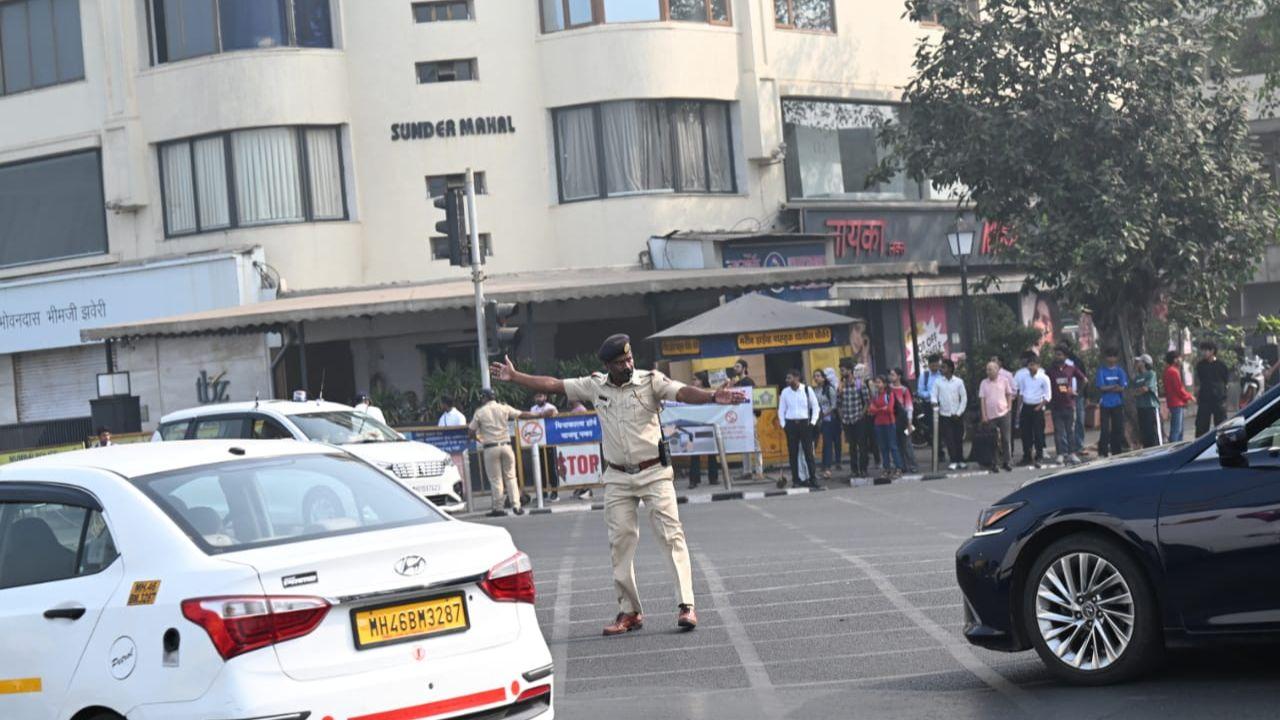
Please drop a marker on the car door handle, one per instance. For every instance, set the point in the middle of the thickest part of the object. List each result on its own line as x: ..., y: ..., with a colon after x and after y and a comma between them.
x: 67, y: 613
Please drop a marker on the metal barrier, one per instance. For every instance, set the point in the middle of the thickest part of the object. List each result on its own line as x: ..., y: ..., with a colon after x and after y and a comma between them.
x: 935, y: 437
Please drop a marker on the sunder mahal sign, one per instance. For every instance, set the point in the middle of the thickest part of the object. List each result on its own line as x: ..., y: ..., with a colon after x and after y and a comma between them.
x: 485, y: 125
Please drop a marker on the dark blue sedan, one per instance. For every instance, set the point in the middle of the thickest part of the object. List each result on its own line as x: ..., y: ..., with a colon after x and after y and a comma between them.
x: 1100, y: 568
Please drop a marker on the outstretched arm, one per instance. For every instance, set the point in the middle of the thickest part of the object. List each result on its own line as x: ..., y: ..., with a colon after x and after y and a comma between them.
x: 506, y: 372
x: 697, y: 396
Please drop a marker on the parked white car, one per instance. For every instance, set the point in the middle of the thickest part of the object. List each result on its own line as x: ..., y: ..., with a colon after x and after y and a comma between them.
x: 179, y: 581
x: 424, y: 469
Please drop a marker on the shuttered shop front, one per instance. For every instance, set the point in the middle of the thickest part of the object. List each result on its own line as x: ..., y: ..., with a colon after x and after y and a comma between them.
x: 58, y: 384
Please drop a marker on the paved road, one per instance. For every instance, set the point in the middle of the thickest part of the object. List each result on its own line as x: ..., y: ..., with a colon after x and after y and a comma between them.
x: 835, y: 605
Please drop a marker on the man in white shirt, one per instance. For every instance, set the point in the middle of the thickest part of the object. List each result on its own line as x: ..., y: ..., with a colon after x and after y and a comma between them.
x: 951, y: 398
x: 1034, y: 390
x: 363, y: 405
x: 450, y: 415
x: 798, y: 415
x: 542, y: 407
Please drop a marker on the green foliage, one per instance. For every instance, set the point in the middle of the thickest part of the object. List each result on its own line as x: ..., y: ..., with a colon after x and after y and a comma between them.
x: 1000, y: 334
x: 401, y: 409
x: 1268, y: 325
x: 463, y: 384
x: 1111, y: 141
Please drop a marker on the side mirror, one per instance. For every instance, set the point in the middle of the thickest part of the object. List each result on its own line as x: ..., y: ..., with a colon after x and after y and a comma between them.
x: 1233, y: 442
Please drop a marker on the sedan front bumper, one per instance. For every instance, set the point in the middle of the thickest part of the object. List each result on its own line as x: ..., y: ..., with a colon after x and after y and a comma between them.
x: 984, y: 571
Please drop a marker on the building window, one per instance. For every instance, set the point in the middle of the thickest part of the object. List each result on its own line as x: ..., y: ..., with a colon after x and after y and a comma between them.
x: 643, y: 146
x: 440, y: 246
x: 437, y: 185
x: 39, y: 44
x: 832, y: 148
x: 52, y: 208
x: 818, y: 15
x: 563, y: 14
x: 183, y: 29
x: 439, y: 71
x: 243, y: 178
x: 441, y: 11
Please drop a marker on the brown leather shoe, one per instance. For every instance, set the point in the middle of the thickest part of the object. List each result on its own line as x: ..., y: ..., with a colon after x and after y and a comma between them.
x: 625, y: 624
x: 688, y: 619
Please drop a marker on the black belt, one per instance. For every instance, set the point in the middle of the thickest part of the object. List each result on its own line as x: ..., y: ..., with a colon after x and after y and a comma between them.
x: 486, y: 446
x: 633, y: 469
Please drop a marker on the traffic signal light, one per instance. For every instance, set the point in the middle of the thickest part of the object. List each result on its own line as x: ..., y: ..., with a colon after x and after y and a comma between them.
x: 454, y: 225
x: 503, y: 337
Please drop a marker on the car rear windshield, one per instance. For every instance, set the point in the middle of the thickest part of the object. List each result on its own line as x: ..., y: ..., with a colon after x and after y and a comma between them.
x: 343, y: 427
x: 252, y: 503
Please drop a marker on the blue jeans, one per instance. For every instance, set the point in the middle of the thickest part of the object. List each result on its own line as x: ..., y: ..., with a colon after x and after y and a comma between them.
x: 830, y: 442
x: 1078, y: 446
x: 886, y: 438
x: 1064, y: 435
x: 1175, y: 424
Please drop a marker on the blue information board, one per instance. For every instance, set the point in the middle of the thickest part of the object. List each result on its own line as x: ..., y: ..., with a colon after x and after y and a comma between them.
x: 452, y: 440
x: 572, y: 429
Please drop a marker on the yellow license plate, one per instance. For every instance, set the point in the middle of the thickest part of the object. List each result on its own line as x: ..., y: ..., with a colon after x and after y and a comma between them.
x: 408, y: 621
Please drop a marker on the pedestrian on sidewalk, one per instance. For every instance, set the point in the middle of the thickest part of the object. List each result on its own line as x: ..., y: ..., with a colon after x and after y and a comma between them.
x: 1111, y: 381
x: 1073, y: 359
x: 1175, y: 392
x: 637, y: 468
x: 798, y: 414
x: 1034, y: 391
x: 924, y: 394
x: 884, y: 419
x: 951, y: 398
x: 852, y: 409
x: 489, y: 428
x: 1065, y: 378
x: 995, y: 398
x: 1147, y: 399
x: 702, y: 382
x: 450, y: 415
x: 1212, y: 377
x: 905, y: 423
x: 824, y: 388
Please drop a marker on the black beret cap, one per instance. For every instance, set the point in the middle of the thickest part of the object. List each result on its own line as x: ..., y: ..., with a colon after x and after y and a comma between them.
x: 614, y: 347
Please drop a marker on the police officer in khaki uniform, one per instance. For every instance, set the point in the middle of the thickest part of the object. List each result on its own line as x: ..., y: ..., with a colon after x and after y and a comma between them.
x: 628, y: 402
x: 489, y: 428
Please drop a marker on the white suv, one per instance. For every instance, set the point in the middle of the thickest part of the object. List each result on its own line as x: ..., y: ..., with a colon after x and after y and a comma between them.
x: 426, y: 470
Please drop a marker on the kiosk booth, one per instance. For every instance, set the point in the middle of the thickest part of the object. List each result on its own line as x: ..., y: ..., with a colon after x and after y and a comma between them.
x: 772, y: 336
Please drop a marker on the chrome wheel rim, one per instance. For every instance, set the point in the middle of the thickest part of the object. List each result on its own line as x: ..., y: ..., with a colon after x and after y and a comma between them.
x: 1085, y: 612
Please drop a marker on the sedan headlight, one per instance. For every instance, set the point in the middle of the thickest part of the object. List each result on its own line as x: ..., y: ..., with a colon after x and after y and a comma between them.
x: 989, y: 518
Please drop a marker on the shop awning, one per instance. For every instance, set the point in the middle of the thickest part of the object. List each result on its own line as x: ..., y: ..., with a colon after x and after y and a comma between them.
x: 926, y: 288
x: 547, y: 286
x: 752, y: 323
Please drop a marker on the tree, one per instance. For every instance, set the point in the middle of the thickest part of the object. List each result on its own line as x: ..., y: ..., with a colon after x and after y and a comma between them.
x: 1109, y: 138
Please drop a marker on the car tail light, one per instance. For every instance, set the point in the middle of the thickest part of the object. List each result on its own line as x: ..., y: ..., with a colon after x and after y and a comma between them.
x: 238, y: 624
x: 510, y: 580
x: 534, y: 692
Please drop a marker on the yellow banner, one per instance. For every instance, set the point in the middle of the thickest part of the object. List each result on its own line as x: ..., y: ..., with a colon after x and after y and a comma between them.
x: 688, y: 346
x: 27, y: 454
x: 784, y: 338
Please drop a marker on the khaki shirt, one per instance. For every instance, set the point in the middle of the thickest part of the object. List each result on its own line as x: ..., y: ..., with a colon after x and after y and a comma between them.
x: 628, y: 414
x: 490, y: 422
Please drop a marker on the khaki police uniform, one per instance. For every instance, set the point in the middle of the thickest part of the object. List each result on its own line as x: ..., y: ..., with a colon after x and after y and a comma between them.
x: 490, y: 427
x: 631, y: 431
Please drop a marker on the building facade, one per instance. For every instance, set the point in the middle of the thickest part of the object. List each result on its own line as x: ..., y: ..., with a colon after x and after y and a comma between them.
x: 300, y: 142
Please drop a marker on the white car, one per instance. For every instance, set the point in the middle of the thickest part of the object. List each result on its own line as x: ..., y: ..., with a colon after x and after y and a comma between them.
x: 424, y: 469
x: 178, y: 581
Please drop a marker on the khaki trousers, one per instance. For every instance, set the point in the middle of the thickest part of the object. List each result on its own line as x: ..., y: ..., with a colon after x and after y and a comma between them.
x: 622, y: 496
x: 500, y: 467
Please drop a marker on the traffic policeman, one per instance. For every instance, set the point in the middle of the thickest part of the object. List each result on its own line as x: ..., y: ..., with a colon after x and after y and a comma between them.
x: 628, y: 403
x: 489, y: 428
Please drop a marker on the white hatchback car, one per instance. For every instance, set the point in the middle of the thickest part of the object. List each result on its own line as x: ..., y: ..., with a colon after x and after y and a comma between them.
x: 180, y: 581
x: 424, y: 469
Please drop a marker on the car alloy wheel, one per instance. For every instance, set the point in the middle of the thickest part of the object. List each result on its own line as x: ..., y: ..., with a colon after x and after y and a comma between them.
x: 1084, y: 611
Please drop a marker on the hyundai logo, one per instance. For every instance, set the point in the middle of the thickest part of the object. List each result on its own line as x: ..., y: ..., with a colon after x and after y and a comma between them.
x: 410, y: 565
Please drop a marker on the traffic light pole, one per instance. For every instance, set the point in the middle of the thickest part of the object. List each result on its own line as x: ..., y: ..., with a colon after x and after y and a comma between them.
x: 477, y: 278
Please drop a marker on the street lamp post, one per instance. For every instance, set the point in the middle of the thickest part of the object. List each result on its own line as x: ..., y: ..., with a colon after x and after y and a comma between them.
x: 961, y: 241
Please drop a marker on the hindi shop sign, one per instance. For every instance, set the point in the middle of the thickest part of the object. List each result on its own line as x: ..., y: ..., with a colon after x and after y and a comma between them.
x: 880, y: 236
x: 785, y: 338
x: 45, y: 313
x: 688, y: 428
